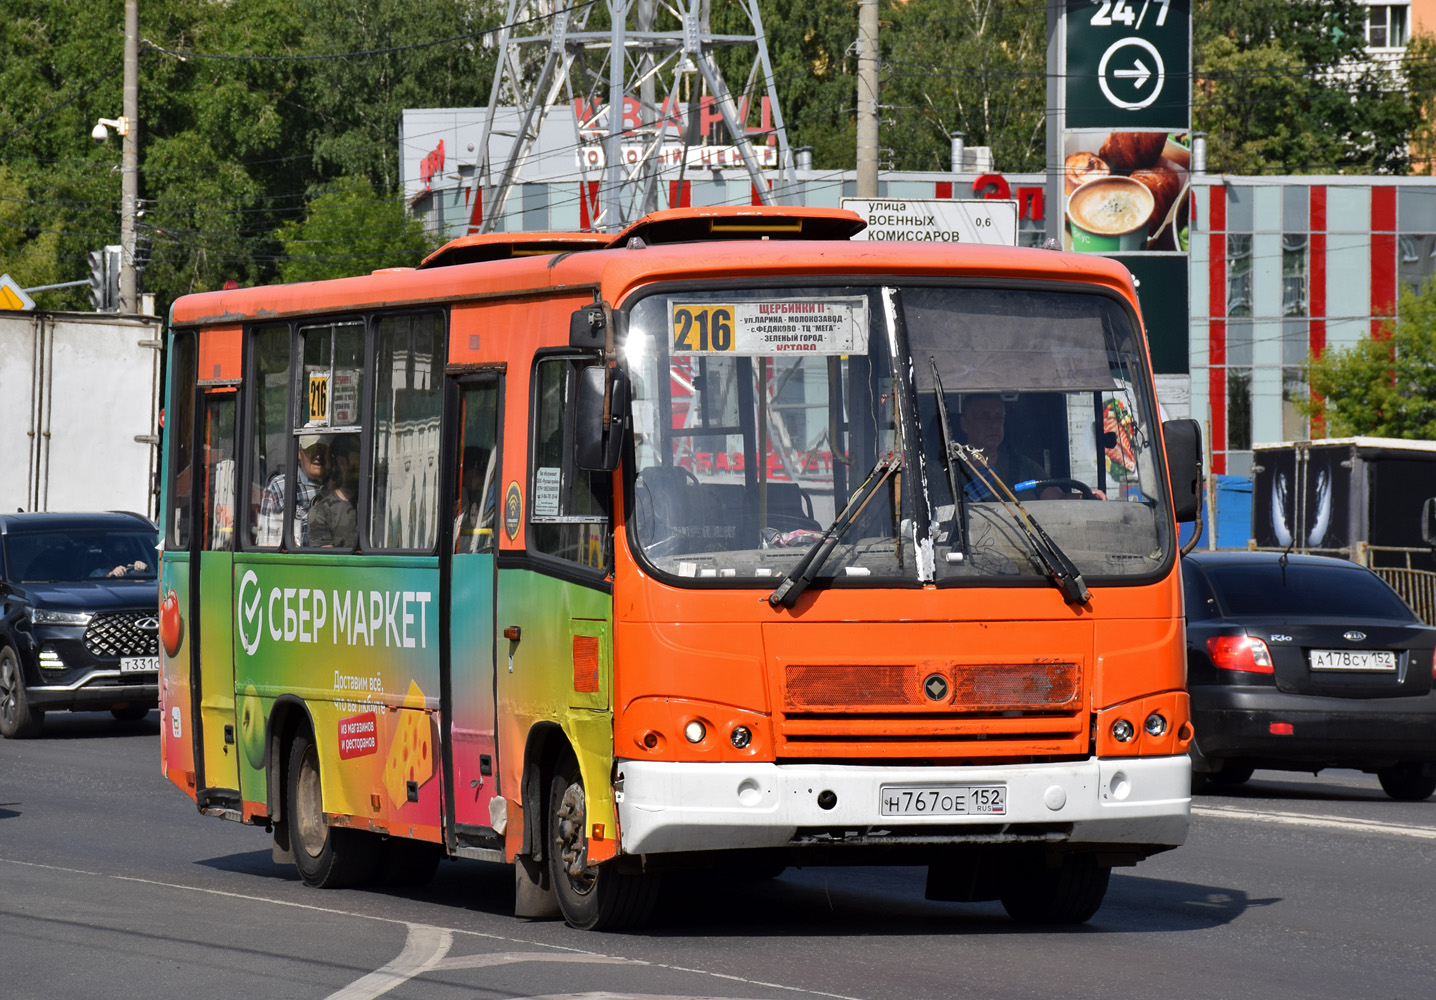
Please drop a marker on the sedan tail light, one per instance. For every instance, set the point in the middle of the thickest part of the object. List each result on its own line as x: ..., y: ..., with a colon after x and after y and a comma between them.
x: 1239, y: 652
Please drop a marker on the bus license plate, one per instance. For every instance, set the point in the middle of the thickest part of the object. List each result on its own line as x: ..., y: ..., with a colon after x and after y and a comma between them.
x: 139, y: 664
x: 1353, y: 659
x: 943, y: 800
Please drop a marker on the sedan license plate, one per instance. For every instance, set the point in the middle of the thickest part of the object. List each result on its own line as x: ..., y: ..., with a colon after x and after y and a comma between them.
x: 139, y: 664
x: 943, y: 800
x: 1353, y: 659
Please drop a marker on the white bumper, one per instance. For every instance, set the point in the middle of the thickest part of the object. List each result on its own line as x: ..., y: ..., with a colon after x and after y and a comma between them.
x: 664, y: 807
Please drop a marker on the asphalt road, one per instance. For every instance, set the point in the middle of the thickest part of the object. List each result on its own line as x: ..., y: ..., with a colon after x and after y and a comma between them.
x: 112, y: 885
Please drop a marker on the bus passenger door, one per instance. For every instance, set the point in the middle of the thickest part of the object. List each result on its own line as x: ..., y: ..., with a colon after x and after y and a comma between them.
x: 218, y: 730
x: 470, y: 714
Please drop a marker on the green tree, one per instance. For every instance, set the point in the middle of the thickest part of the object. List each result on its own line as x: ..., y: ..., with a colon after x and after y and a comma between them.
x: 349, y: 230
x: 414, y: 56
x: 975, y: 66
x: 1287, y: 88
x: 1418, y: 67
x: 30, y: 257
x: 1383, y: 386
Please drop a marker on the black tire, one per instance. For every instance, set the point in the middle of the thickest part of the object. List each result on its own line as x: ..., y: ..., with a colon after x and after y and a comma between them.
x: 1406, y: 782
x: 591, y: 897
x: 1230, y: 775
x: 1068, y: 894
x: 18, y: 721
x: 407, y: 863
x: 130, y: 713
x: 327, y: 857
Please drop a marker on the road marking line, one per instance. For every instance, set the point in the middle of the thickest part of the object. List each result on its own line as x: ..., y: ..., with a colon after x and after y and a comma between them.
x: 1306, y: 819
x: 565, y: 954
x: 424, y: 948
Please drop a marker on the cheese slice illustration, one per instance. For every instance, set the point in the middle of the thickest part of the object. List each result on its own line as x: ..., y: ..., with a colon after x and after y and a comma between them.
x: 411, y: 756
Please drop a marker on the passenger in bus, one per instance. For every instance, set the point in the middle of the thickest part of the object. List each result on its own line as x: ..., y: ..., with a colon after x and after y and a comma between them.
x: 333, y: 521
x: 313, y: 465
x: 984, y: 424
x: 478, y: 499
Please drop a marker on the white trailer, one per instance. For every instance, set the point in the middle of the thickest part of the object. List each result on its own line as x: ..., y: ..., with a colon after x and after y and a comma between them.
x: 79, y: 411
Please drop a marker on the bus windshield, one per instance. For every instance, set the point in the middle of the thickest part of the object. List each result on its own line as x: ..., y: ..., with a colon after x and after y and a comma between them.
x: 758, y: 414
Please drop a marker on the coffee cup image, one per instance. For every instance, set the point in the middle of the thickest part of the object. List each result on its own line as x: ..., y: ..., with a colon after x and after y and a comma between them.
x: 1109, y: 213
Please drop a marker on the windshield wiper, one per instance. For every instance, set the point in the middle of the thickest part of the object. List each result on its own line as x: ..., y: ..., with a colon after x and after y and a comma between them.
x: 1060, y: 569
x: 959, y: 498
x: 798, y: 578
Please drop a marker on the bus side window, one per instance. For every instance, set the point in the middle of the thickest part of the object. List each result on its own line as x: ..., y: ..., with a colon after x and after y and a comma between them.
x: 270, y: 443
x: 219, y: 471
x: 408, y: 404
x: 476, y: 507
x: 180, y: 426
x: 569, y: 512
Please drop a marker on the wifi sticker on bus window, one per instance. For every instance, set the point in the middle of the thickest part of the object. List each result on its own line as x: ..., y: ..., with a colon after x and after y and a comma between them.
x: 819, y: 326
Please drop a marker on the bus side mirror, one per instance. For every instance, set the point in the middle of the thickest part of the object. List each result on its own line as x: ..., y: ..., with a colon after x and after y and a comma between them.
x: 588, y: 328
x: 1428, y: 522
x: 596, y: 442
x: 1184, y: 466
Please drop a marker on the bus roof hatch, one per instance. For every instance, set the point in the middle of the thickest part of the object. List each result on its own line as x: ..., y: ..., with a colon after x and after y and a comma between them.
x: 775, y: 222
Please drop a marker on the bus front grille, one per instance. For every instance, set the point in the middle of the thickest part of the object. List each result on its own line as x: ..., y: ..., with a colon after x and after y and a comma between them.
x: 989, y: 710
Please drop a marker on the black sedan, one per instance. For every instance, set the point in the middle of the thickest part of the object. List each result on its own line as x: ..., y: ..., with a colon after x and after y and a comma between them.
x: 79, y: 612
x: 1301, y: 663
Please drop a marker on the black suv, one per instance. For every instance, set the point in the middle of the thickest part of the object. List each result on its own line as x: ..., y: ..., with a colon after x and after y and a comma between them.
x: 79, y: 623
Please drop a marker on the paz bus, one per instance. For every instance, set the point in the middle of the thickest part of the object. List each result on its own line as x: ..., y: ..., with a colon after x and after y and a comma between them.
x: 606, y: 556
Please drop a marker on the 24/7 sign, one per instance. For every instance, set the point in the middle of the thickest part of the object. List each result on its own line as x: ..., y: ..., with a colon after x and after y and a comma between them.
x: 1129, y: 64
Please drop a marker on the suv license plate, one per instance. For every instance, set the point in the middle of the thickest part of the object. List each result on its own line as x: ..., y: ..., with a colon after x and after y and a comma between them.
x: 943, y: 800
x: 139, y: 664
x: 1353, y: 659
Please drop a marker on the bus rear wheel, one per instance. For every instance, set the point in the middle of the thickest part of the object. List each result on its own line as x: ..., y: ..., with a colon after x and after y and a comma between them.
x: 327, y: 857
x: 591, y: 897
x: 1067, y: 894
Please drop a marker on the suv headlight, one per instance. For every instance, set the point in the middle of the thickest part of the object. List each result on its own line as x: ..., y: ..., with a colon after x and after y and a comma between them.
x: 40, y: 616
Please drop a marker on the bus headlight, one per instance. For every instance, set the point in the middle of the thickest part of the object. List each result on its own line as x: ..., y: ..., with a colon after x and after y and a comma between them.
x: 740, y: 737
x: 695, y: 731
x: 1123, y: 731
x: 1156, y: 724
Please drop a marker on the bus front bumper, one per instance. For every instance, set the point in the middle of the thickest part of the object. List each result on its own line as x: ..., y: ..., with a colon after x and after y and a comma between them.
x: 677, y: 807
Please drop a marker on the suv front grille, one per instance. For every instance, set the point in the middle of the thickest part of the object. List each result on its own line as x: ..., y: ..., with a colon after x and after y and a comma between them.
x: 121, y: 633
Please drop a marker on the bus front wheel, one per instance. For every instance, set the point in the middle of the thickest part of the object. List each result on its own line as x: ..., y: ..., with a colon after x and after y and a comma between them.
x: 591, y: 897
x: 1067, y: 894
x: 327, y: 857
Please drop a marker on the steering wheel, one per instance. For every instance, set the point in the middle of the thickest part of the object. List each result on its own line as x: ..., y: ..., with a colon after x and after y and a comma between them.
x: 657, y: 500
x: 1034, y: 489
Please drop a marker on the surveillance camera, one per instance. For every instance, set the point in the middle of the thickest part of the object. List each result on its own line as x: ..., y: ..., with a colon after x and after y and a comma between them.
x: 100, y: 134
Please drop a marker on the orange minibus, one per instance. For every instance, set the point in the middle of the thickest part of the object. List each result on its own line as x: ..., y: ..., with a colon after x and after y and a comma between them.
x: 723, y: 543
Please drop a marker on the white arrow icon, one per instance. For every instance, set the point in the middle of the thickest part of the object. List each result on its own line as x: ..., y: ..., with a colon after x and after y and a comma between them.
x: 1139, y: 73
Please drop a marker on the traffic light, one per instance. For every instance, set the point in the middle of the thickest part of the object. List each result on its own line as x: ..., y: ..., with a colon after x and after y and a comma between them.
x: 105, y: 279
x: 98, y: 285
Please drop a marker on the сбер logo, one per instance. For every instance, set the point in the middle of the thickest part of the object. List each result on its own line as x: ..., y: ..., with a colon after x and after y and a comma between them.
x: 248, y: 614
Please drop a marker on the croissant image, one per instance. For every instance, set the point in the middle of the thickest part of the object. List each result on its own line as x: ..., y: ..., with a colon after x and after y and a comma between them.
x: 1128, y: 151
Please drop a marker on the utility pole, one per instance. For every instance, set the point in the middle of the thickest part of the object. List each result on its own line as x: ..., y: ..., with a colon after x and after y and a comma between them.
x: 130, y: 161
x: 867, y: 99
